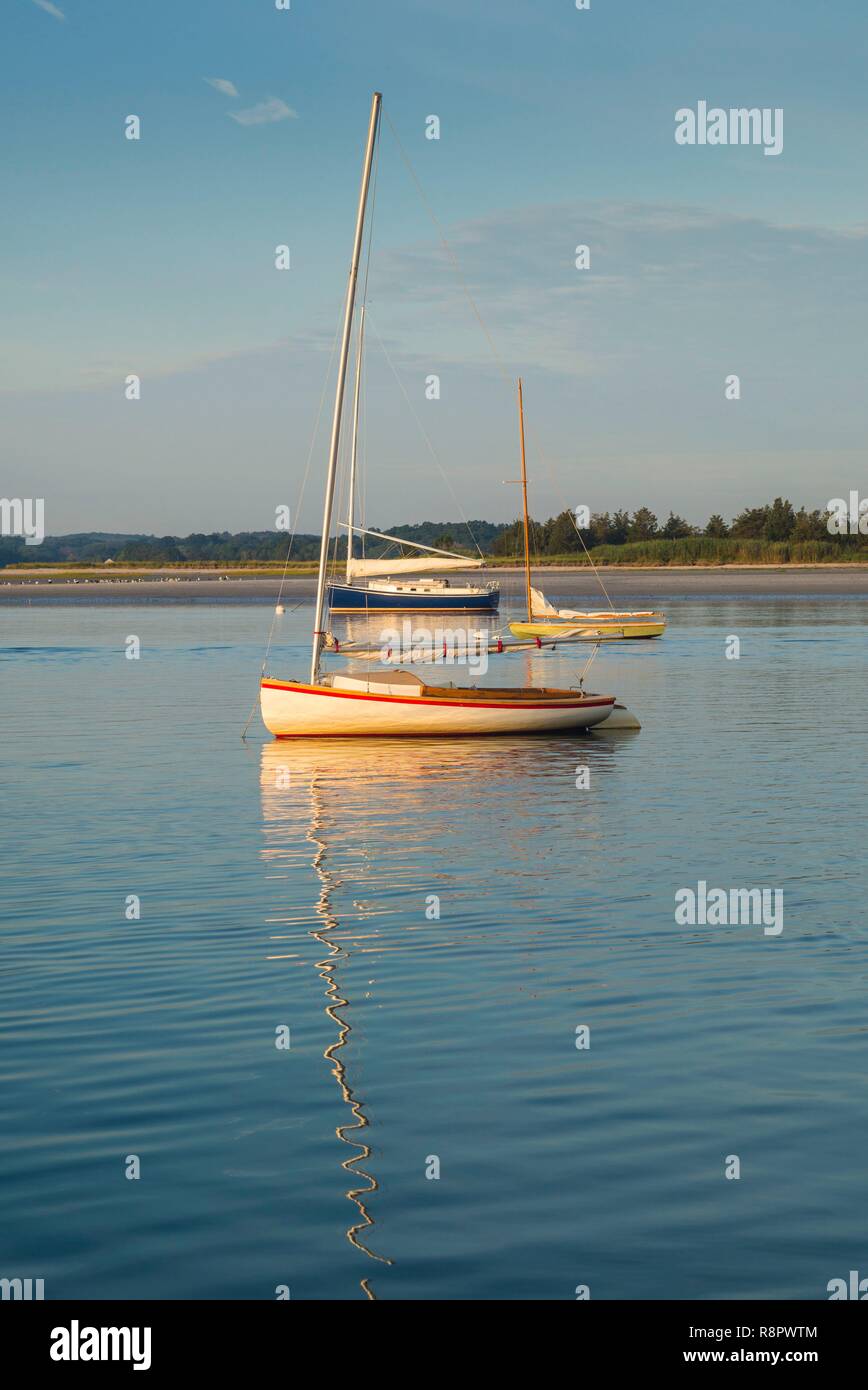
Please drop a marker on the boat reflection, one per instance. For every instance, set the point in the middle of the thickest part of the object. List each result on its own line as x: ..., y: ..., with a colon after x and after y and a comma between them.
x: 370, y: 816
x: 280, y: 787
x: 377, y: 627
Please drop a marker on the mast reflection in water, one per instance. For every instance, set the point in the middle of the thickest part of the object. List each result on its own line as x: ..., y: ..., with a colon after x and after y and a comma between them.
x: 282, y: 774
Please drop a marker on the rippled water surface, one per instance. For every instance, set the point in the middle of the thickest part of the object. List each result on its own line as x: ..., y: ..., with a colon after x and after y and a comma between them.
x: 295, y: 885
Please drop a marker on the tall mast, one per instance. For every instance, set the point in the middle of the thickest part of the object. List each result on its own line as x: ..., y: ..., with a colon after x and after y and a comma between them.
x: 524, y: 505
x: 360, y: 346
x: 341, y: 383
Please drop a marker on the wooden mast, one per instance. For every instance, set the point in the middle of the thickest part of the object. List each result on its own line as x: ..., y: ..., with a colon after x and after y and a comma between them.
x: 524, y: 505
x: 339, y: 392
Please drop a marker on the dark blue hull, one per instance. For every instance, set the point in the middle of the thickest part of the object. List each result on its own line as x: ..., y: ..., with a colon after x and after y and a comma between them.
x: 346, y: 598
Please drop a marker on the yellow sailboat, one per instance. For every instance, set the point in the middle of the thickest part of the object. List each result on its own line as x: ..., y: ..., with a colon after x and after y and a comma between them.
x: 544, y: 620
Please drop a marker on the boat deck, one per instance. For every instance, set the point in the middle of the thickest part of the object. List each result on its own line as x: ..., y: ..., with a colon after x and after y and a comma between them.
x: 512, y: 693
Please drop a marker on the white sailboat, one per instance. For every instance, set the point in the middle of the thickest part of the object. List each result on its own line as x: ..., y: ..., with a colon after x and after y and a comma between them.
x: 393, y: 703
x: 370, y: 585
x: 421, y: 594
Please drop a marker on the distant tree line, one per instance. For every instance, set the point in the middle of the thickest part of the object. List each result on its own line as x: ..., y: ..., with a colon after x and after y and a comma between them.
x: 222, y: 547
x: 775, y: 523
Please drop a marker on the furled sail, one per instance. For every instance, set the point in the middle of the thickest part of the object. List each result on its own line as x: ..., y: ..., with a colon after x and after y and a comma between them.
x: 542, y: 607
x: 415, y: 564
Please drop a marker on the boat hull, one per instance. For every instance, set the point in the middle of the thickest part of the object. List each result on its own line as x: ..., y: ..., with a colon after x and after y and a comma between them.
x: 563, y: 627
x: 349, y: 598
x: 292, y: 710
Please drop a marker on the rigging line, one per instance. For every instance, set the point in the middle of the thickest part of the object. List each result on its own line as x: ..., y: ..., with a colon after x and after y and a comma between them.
x: 360, y: 490
x: 301, y: 493
x: 255, y: 705
x: 373, y: 200
x: 363, y: 456
x: 498, y: 360
x: 465, y: 287
x: 332, y: 563
x: 296, y: 515
x: 546, y: 463
x: 590, y: 561
x: 588, y: 664
x: 342, y: 502
x: 424, y: 434
x: 446, y: 246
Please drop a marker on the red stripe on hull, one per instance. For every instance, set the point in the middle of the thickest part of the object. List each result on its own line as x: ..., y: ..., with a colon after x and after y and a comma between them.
x: 423, y: 701
x: 395, y: 608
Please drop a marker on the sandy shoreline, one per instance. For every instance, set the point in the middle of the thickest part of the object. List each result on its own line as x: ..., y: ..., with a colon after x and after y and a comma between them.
x: 654, y: 582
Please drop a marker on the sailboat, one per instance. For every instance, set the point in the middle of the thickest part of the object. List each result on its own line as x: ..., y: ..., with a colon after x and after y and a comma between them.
x: 423, y: 594
x: 383, y: 591
x: 544, y: 620
x: 395, y: 702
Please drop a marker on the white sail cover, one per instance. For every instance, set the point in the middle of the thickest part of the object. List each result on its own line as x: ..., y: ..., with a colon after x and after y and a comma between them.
x: 415, y: 564
x: 542, y: 608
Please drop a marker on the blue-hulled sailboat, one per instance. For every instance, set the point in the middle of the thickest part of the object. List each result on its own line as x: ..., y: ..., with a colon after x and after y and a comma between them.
x: 374, y: 585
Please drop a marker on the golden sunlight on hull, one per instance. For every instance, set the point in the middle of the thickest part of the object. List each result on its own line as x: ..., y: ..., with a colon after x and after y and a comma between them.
x: 613, y: 625
x: 292, y: 710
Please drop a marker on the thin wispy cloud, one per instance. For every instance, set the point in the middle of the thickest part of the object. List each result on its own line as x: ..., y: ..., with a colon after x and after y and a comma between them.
x: 47, y: 6
x: 652, y: 264
x: 222, y: 84
x: 264, y: 113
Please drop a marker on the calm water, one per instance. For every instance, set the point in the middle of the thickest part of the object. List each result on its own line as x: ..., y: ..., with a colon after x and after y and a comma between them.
x: 304, y: 905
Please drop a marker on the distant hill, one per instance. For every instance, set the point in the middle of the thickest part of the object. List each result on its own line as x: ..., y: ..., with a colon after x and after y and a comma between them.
x: 757, y: 532
x: 447, y: 535
x: 90, y: 547
x: 225, y: 547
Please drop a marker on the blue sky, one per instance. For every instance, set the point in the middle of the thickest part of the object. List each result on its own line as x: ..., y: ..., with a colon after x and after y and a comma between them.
x: 557, y: 128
